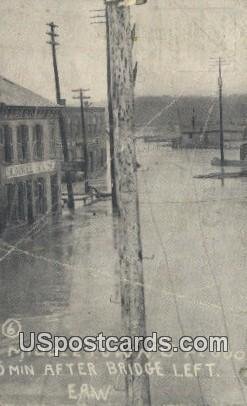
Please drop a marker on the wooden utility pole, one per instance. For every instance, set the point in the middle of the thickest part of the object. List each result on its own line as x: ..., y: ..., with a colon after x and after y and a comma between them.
x: 102, y: 18
x: 54, y: 44
x: 81, y: 97
x: 122, y: 77
x: 110, y: 115
x: 220, y: 82
x: 62, y: 117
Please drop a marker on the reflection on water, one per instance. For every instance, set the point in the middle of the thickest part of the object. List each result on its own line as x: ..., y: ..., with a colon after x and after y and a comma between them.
x: 44, y: 272
x: 33, y: 280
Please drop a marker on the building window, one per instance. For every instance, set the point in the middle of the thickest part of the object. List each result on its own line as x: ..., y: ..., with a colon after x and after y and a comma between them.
x: 29, y: 194
x: 11, y: 200
x: 21, y: 201
x: 94, y: 129
x: 89, y: 124
x: 89, y: 129
x: 16, y: 202
x: 102, y: 157
x: 91, y: 160
x: 40, y: 196
x: 8, y: 144
x: 22, y: 143
x: 54, y: 193
x: 78, y: 152
x: 38, y: 143
x: 52, y: 142
x: 1, y: 136
x: 75, y: 129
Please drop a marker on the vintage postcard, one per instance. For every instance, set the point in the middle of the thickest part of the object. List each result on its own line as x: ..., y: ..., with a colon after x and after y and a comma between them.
x: 123, y: 203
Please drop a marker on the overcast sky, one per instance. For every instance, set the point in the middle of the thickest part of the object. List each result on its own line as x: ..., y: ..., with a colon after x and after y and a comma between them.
x: 175, y: 41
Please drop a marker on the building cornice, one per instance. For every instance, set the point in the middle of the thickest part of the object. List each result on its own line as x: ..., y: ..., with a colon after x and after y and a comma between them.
x: 28, y: 112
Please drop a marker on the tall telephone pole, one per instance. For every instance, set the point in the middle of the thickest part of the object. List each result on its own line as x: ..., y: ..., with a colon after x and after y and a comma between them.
x: 110, y: 115
x: 220, y: 82
x: 81, y: 97
x: 54, y: 44
x: 62, y: 118
x: 102, y: 18
x: 121, y: 94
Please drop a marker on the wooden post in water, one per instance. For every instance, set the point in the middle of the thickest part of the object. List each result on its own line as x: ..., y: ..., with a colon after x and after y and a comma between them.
x: 129, y: 241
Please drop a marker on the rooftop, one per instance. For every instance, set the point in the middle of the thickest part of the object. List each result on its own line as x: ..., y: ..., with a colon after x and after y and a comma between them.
x: 12, y: 94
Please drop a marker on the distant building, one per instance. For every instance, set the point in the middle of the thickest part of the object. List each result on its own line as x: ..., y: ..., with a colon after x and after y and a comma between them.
x: 29, y: 156
x: 153, y: 134
x: 96, y: 138
x: 201, y: 129
x: 209, y: 137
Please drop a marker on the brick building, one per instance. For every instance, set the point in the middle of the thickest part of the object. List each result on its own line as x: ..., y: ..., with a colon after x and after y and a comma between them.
x: 29, y: 156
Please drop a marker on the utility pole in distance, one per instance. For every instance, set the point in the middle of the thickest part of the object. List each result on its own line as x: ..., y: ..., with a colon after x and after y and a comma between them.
x: 220, y: 82
x: 81, y: 97
x: 129, y: 239
x: 62, y: 118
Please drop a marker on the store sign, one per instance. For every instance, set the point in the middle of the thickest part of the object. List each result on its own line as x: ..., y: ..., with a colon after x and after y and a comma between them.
x: 31, y: 168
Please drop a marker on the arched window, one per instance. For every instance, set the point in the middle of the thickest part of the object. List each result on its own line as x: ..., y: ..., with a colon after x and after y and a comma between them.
x: 38, y: 143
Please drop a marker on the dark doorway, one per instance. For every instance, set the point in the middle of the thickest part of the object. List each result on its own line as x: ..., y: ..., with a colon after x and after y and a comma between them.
x: 21, y: 201
x: 54, y: 193
x: 29, y: 188
x: 91, y: 161
x: 11, y: 203
x: 40, y: 196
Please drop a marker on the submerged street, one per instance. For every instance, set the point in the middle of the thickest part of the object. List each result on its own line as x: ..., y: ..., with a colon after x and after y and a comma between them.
x: 64, y: 278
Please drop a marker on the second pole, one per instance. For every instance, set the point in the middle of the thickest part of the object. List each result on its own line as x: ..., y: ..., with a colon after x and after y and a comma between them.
x: 81, y: 97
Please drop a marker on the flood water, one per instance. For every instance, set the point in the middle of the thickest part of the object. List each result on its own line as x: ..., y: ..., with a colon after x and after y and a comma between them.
x: 196, y: 231
x: 64, y: 278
